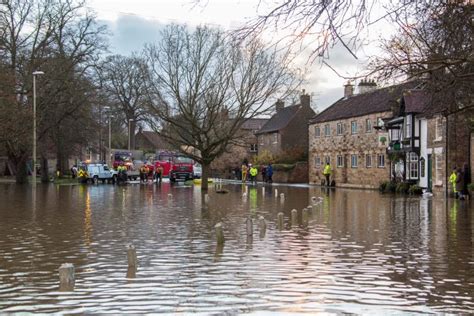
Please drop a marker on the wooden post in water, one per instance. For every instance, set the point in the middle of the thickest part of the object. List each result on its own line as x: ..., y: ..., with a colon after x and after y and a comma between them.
x: 66, y: 277
x: 244, y: 196
x: 206, y: 198
x: 280, y: 221
x: 132, y: 256
x: 294, y: 217
x: 282, y: 197
x: 249, y: 224
x: 276, y: 193
x: 262, y: 226
x: 170, y: 196
x: 219, y: 234
x: 263, y: 190
x: 304, y: 216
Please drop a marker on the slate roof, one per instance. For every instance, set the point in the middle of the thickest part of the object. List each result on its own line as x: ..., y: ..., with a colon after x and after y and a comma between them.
x: 416, y: 101
x: 280, y: 119
x: 376, y: 101
x: 254, y: 124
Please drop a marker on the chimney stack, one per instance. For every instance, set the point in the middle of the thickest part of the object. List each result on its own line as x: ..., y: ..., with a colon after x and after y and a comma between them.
x: 348, y: 90
x: 279, y: 105
x: 367, y: 86
x: 305, y: 99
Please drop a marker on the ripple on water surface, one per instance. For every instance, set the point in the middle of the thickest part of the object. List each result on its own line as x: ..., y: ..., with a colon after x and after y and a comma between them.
x: 360, y: 253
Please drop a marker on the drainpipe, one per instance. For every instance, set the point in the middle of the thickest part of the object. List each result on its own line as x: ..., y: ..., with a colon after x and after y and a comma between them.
x: 446, y: 159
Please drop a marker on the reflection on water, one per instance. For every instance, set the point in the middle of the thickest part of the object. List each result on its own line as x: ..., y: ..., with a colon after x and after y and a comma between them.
x: 362, y: 252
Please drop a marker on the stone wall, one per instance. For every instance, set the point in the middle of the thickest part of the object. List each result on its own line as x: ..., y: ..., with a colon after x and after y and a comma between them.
x: 270, y: 142
x: 363, y: 144
x: 299, y: 174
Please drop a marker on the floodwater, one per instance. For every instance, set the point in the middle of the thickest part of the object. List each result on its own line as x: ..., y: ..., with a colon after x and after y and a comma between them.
x: 362, y: 252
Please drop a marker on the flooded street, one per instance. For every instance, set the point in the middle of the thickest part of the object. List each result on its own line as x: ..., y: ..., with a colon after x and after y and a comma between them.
x: 362, y: 252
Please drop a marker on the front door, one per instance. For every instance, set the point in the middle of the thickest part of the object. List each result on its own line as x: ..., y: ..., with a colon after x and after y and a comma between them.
x: 430, y: 173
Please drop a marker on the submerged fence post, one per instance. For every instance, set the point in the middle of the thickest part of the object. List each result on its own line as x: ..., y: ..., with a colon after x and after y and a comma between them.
x: 249, y: 224
x: 280, y: 220
x: 276, y: 193
x: 206, y: 198
x: 170, y: 196
x: 282, y: 197
x: 304, y: 217
x: 132, y: 256
x: 263, y: 190
x: 66, y: 277
x: 294, y: 217
x: 219, y: 234
x: 262, y: 226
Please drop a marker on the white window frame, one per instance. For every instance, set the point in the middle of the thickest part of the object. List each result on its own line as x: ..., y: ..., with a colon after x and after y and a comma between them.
x: 381, y: 161
x: 354, y: 159
x: 368, y: 161
x: 408, y: 126
x: 413, y: 166
x: 354, y: 127
x: 439, y: 129
x: 327, y: 130
x: 438, y: 168
x: 368, y: 126
x: 317, y: 161
x: 340, y: 161
x: 253, y: 148
x: 317, y: 131
x: 339, y: 129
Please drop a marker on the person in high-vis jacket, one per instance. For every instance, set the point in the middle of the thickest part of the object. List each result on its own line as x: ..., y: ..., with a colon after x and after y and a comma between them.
x: 453, y: 179
x: 253, y: 173
x: 327, y: 173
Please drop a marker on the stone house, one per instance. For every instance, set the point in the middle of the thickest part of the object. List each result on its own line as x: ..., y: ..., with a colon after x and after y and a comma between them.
x: 244, y: 147
x: 348, y: 136
x: 287, y: 129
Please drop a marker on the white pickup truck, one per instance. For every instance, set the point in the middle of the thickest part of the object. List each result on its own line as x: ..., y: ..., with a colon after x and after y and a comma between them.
x: 100, y: 172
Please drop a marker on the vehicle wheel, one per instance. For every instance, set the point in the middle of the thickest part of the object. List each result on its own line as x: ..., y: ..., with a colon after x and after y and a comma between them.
x: 95, y: 180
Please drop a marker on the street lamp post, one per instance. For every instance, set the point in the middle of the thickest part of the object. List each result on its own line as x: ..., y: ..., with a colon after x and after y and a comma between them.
x: 36, y: 73
x: 129, y: 134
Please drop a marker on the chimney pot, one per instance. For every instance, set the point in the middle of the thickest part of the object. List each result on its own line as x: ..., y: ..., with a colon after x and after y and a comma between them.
x: 279, y: 105
x: 348, y: 90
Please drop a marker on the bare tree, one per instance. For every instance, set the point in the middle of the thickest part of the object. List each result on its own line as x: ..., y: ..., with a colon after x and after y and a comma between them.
x: 209, y: 84
x: 61, y: 38
x: 126, y: 82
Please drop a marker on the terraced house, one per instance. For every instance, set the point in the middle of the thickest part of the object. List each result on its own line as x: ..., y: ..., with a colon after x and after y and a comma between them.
x: 348, y: 135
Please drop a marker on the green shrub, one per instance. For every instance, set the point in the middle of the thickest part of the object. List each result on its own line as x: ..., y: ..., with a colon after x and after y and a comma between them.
x: 402, y: 187
x: 415, y: 190
x: 383, y: 186
x: 470, y: 186
x: 391, y: 187
x: 283, y: 167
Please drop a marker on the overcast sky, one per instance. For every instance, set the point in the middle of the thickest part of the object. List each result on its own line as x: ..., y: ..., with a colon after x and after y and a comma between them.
x: 134, y: 23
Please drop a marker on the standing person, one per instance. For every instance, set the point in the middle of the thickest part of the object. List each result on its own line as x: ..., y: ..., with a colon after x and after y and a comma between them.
x: 74, y: 171
x: 467, y: 179
x: 460, y: 183
x: 244, y: 172
x: 269, y: 170
x: 253, y: 173
x: 327, y: 173
x: 453, y: 180
x: 263, y: 170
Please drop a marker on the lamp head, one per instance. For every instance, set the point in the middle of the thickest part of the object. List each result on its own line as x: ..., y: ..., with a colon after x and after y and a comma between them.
x: 37, y: 73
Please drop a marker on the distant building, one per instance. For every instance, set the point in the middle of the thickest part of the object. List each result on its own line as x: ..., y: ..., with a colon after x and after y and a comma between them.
x: 149, y: 141
x: 348, y: 135
x: 287, y: 128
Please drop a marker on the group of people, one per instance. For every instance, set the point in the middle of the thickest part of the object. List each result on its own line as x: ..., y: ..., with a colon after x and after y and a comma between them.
x: 459, y: 179
x: 250, y: 172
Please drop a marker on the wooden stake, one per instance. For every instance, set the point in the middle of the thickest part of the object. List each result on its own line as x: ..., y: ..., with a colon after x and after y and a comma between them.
x: 280, y: 221
x: 219, y: 234
x: 66, y: 277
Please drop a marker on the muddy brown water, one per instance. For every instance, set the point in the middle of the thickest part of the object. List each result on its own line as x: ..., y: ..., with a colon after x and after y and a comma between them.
x: 362, y: 252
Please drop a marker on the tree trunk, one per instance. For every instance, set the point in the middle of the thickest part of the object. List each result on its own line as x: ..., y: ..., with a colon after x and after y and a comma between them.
x: 205, y: 175
x: 44, y: 170
x: 21, y: 170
